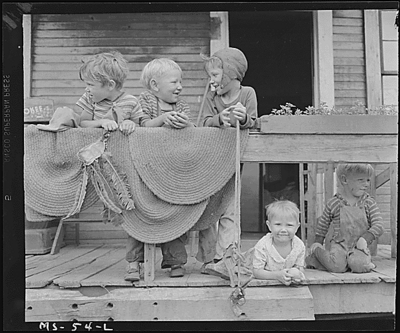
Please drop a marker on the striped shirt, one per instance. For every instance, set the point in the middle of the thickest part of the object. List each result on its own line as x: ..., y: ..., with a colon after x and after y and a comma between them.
x: 150, y: 107
x: 331, y: 214
x: 124, y: 107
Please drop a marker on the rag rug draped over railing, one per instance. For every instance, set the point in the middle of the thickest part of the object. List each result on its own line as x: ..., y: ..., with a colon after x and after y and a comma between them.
x: 179, y: 180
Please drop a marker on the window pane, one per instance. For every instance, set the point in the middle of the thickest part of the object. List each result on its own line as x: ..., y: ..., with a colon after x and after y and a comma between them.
x: 390, y: 56
x: 390, y: 90
x: 389, y: 30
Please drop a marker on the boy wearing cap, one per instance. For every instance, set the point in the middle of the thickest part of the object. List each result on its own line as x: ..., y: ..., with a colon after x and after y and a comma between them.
x: 227, y: 102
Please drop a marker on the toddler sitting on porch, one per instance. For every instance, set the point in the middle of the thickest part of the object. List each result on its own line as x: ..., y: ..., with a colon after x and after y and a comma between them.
x: 279, y: 255
x: 356, y: 223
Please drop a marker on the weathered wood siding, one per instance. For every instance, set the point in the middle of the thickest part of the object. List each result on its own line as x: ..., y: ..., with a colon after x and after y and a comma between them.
x: 383, y: 199
x: 349, y: 58
x: 59, y: 42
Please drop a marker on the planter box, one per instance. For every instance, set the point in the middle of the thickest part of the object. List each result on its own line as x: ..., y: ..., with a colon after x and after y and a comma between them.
x: 330, y: 124
x: 319, y: 139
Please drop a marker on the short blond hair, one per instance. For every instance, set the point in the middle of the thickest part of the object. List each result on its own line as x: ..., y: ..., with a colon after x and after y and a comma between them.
x: 353, y: 168
x: 104, y: 67
x: 157, y: 68
x: 282, y: 208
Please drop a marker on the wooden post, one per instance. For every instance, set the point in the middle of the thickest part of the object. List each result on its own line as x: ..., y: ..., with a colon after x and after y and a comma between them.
x: 311, y: 203
x: 374, y: 246
x: 302, y: 204
x: 262, y: 217
x: 372, y: 58
x: 57, y: 239
x: 328, y: 177
x: 393, y: 208
x: 149, y: 262
x: 193, y: 242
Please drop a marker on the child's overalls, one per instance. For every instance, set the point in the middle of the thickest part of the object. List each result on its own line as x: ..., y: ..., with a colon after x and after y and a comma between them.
x: 353, y: 224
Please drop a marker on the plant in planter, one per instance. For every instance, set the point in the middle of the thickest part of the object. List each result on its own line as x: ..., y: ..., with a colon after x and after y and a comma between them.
x: 352, y: 120
x: 357, y: 109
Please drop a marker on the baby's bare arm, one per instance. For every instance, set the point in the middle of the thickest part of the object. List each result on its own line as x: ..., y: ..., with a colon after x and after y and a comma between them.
x: 282, y: 275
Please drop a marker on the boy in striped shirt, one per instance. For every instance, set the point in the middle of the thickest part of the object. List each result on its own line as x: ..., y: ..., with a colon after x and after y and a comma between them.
x: 104, y: 104
x: 355, y: 221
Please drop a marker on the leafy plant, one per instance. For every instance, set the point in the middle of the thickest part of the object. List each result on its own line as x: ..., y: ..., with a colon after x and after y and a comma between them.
x: 358, y: 108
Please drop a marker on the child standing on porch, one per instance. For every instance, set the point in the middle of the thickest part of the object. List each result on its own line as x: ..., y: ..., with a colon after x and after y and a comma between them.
x: 161, y: 103
x: 227, y: 102
x: 356, y: 223
x: 104, y: 104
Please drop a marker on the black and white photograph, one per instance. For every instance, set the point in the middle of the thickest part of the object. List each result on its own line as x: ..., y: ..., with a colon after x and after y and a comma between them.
x: 206, y: 166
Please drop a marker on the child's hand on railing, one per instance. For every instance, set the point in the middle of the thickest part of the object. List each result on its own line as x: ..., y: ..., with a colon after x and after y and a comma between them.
x: 180, y: 120
x: 224, y: 117
x: 239, y: 111
x: 127, y: 126
x: 284, y: 277
x: 109, y: 125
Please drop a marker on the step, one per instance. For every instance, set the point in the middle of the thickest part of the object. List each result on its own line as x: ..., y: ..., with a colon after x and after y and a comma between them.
x: 169, y: 304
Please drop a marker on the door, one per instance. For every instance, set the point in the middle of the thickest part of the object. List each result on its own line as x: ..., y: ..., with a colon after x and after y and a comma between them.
x: 278, y: 47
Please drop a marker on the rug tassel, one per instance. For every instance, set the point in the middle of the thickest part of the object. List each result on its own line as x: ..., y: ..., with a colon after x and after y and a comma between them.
x: 80, y: 195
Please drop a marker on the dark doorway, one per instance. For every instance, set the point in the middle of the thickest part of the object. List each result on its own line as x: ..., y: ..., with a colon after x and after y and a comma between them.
x: 278, y: 47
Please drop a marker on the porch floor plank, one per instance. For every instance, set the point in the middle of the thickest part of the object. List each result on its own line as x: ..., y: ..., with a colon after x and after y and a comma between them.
x: 101, y: 262
x: 386, y: 268
x: 111, y: 276
x: 43, y: 263
x: 94, y: 265
x: 46, y: 277
x: 85, y: 272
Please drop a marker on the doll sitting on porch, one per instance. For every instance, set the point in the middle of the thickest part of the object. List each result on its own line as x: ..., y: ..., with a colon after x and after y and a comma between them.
x: 356, y: 222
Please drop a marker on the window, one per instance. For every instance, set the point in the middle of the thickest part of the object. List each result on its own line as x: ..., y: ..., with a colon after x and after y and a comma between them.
x: 389, y: 57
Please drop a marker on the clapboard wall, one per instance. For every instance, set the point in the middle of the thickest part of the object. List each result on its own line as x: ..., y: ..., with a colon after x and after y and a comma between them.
x: 60, y: 42
x: 349, y: 58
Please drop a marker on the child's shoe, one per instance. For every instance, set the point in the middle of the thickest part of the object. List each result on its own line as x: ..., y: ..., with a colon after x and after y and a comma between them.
x: 218, y: 269
x: 204, y: 267
x: 133, y: 272
x: 177, y: 271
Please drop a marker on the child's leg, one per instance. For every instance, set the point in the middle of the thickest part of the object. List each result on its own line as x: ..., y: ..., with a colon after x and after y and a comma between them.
x: 228, y: 230
x: 334, y: 260
x: 207, y: 243
x: 134, y: 250
x: 174, y: 252
x: 134, y: 255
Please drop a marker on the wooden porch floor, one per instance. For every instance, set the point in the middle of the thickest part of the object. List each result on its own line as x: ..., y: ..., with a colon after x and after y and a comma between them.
x: 103, y: 265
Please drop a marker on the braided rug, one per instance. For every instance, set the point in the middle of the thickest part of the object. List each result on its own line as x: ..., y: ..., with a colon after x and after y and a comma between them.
x: 52, y: 175
x: 52, y: 171
x: 185, y: 166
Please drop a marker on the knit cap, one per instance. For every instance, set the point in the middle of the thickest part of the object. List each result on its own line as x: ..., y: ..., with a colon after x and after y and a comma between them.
x: 234, y: 63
